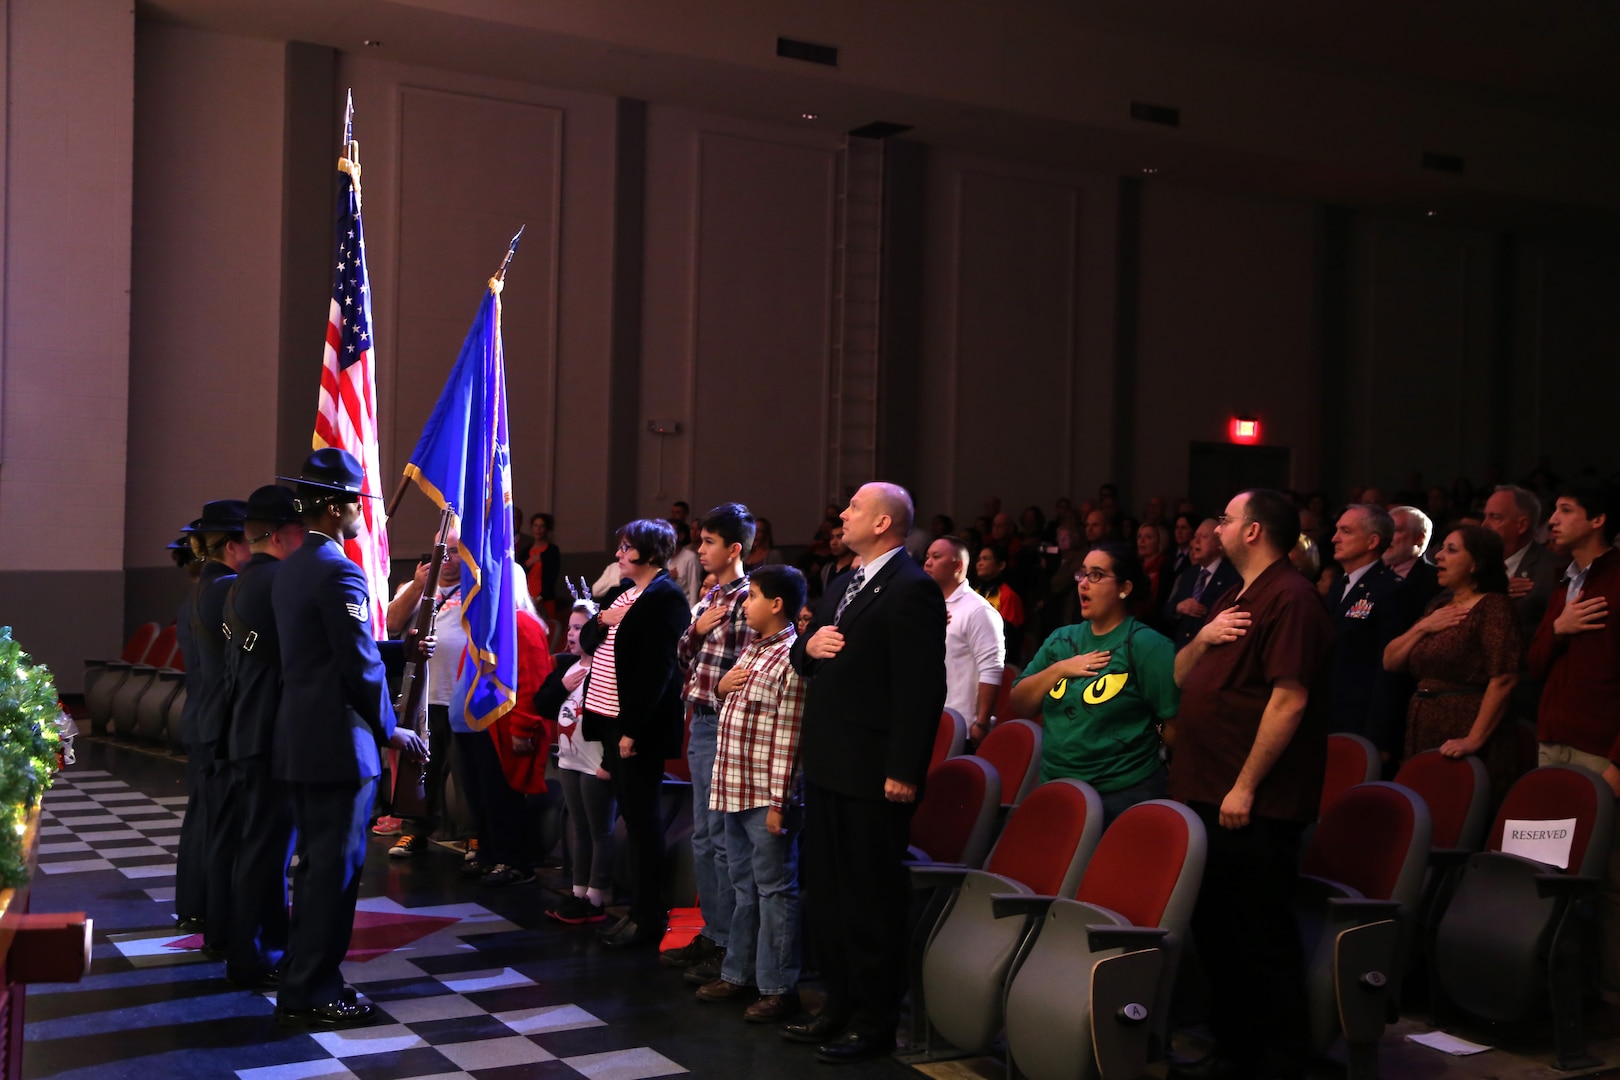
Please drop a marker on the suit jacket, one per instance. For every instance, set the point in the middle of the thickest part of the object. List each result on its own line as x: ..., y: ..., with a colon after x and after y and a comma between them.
x: 1422, y: 585
x: 1367, y: 617
x: 202, y: 643
x: 1545, y: 568
x: 872, y: 711
x: 1181, y: 629
x: 649, y: 676
x: 335, y: 707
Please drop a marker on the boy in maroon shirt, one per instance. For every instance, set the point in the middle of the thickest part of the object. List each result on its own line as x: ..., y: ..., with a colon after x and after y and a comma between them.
x: 1576, y: 655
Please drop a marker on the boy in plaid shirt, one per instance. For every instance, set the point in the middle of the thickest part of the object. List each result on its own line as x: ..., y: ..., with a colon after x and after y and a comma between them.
x: 756, y: 786
x: 717, y: 637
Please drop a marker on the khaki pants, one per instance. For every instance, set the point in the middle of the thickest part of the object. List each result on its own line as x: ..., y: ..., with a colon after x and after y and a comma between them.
x: 1609, y: 901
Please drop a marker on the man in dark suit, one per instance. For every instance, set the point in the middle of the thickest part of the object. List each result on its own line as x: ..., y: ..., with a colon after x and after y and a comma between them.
x: 334, y: 714
x: 1404, y: 555
x: 1367, y: 615
x: 1207, y: 575
x: 202, y: 898
x: 874, y: 658
x: 1534, y: 571
x: 253, y: 840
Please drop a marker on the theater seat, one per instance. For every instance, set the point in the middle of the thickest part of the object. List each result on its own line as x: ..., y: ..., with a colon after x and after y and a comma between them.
x: 151, y: 713
x: 1003, y: 709
x: 103, y: 677
x: 1457, y: 792
x: 1351, y: 760
x: 1091, y: 997
x: 955, y: 821
x: 951, y: 738
x: 959, y: 982
x: 171, y: 720
x: 1515, y: 938
x: 1014, y: 748
x: 1361, y: 880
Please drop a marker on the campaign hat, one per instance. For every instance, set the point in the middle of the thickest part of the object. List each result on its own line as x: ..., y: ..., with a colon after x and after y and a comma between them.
x: 332, y: 470
x: 273, y: 504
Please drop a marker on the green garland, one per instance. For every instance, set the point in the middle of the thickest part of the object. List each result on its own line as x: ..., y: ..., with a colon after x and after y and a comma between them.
x: 28, y: 743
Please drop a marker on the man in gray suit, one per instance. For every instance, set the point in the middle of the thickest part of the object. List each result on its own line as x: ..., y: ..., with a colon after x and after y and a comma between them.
x: 1534, y: 571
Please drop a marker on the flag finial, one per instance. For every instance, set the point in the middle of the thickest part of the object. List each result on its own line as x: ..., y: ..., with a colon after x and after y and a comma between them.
x: 499, y: 279
x: 348, y: 121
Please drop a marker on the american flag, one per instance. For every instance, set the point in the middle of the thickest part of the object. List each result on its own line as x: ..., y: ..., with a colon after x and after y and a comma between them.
x: 347, y: 417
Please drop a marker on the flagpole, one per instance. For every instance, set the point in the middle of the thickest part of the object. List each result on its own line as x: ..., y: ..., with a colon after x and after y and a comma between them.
x: 495, y: 283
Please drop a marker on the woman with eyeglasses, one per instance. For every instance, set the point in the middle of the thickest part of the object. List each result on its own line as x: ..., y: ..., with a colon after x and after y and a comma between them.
x: 1104, y: 687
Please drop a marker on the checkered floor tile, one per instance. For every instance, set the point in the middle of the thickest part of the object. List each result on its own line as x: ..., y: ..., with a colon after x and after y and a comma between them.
x: 91, y: 821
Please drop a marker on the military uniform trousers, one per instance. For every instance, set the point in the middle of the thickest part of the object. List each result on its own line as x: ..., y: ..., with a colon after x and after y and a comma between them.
x: 255, y: 839
x: 331, y: 820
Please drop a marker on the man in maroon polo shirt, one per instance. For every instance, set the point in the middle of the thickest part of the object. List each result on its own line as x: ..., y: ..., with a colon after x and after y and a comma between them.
x: 1576, y: 655
x: 1251, y: 745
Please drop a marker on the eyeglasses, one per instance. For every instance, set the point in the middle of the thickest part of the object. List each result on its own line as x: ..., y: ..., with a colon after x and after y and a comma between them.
x: 1093, y: 575
x: 1226, y: 519
x: 623, y: 547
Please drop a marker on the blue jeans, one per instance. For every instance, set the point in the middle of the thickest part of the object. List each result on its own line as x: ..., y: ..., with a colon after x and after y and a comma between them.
x: 765, y: 876
x: 708, y: 830
x: 1115, y: 803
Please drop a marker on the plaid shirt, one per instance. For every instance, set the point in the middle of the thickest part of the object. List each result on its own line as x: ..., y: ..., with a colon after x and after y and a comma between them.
x: 706, y: 659
x: 756, y: 762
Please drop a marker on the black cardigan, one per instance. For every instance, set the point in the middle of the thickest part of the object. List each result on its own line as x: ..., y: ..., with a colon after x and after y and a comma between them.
x: 649, y: 676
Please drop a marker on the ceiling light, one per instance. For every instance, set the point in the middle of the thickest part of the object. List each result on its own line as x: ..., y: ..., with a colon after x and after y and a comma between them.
x: 809, y: 116
x: 1149, y: 170
x: 373, y: 43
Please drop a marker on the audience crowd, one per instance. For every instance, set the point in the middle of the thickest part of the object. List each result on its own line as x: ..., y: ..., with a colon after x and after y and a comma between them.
x: 1197, y: 653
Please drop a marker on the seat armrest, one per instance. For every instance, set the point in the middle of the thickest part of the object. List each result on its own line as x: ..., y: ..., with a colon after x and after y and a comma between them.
x: 1566, y: 886
x: 1128, y: 938
x: 937, y: 875
x: 1006, y: 905
x: 1448, y: 858
x: 1322, y: 890
x: 1361, y: 910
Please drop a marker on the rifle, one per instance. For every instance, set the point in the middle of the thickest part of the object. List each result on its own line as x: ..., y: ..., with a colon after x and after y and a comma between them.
x: 410, y: 777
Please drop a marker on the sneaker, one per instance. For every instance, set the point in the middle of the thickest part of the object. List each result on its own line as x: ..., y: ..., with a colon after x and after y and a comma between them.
x: 408, y: 845
x: 472, y: 851
x: 507, y: 875
x: 388, y: 826
x: 576, y: 910
x: 705, y: 971
x: 475, y: 869
x: 699, y: 948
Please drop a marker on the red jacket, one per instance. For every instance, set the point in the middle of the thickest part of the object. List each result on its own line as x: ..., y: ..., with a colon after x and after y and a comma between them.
x: 1580, y: 673
x: 526, y: 772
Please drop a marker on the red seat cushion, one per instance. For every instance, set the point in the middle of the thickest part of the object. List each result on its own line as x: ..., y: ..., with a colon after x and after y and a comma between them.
x: 139, y: 644
x: 949, y: 809
x: 1137, y: 864
x: 1010, y: 748
x: 1038, y: 843
x: 1363, y: 840
x: 1346, y: 767
x: 944, y: 737
x: 1447, y: 786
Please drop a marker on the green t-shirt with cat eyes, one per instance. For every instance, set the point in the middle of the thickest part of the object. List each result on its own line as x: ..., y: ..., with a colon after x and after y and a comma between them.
x: 1104, y: 730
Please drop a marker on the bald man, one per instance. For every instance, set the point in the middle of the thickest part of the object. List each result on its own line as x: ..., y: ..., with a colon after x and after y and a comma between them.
x: 874, y: 661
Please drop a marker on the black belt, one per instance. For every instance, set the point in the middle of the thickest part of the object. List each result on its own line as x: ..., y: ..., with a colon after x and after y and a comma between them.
x: 1449, y: 693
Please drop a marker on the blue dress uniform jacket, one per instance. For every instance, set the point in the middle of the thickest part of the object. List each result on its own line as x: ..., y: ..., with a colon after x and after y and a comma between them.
x: 1369, y: 615
x: 202, y: 720
x: 335, y: 708
x: 253, y: 660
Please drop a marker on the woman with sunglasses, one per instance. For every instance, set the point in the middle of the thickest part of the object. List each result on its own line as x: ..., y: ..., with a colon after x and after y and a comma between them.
x: 1104, y: 687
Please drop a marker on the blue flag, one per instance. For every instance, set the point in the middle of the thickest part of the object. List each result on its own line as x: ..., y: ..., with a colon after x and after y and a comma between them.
x: 463, y: 462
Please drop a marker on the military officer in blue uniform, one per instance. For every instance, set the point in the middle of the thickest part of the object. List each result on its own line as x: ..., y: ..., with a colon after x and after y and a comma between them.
x: 254, y: 833
x: 201, y: 891
x: 334, y: 714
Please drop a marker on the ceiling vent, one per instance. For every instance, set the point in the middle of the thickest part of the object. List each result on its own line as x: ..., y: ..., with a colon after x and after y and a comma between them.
x: 1446, y: 163
x: 879, y: 129
x: 809, y: 52
x: 1155, y: 114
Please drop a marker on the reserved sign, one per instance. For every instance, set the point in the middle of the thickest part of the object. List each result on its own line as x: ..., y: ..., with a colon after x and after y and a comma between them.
x: 1544, y: 841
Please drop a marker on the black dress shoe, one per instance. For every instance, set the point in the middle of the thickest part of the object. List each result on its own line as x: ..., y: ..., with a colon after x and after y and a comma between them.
x: 814, y: 1029
x: 607, y: 930
x: 853, y: 1046
x: 189, y: 926
x: 631, y: 935
x: 334, y: 1014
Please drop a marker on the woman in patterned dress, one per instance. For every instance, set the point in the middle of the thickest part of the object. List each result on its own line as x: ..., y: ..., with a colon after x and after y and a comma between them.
x: 1465, y: 654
